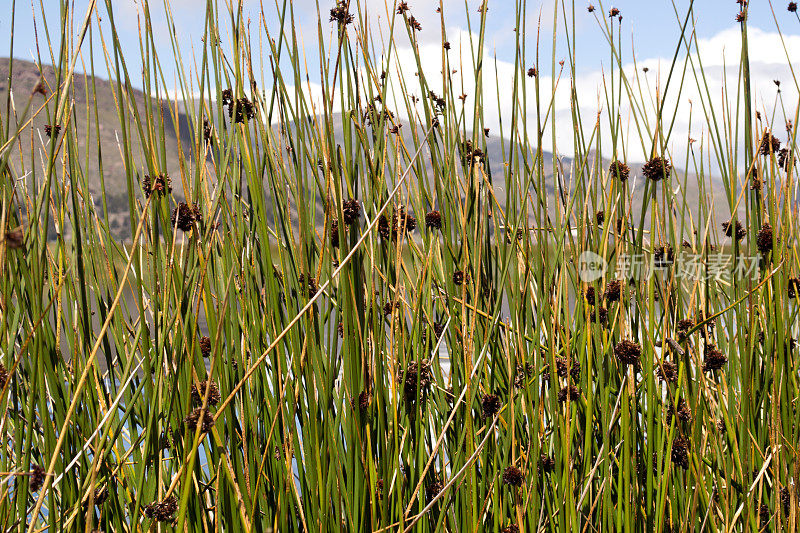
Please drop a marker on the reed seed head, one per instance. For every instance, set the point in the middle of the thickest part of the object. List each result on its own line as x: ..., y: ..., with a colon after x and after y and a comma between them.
x: 628, y: 352
x: 52, y: 130
x: 657, y: 168
x: 792, y: 7
x: 668, y: 372
x: 547, y: 464
x: 458, y: 277
x: 184, y: 216
x: 619, y: 170
x: 680, y: 452
x: 728, y: 228
x: 351, y: 211
x: 162, y: 511
x: 714, y: 359
x: 764, y: 238
x: 433, y: 220
x: 199, y: 392
x: 340, y: 14
x: 513, y: 476
x: 613, y: 290
x: 199, y: 416
x: 589, y: 294
x: 569, y: 393
x: 38, y: 475
x: 490, y: 404
x: 769, y: 144
x: 14, y: 239
x: 205, y: 346
x: 161, y: 185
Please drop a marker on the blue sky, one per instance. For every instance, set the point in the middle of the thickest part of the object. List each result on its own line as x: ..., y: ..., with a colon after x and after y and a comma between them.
x: 650, y: 27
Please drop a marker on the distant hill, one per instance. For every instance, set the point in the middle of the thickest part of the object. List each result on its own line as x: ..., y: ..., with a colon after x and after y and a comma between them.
x: 104, y: 145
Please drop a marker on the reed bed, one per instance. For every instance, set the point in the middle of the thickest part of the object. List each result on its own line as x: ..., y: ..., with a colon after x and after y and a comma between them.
x: 324, y: 313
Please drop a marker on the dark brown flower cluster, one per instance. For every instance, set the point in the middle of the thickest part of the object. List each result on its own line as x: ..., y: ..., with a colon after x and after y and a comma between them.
x: 205, y: 346
x: 728, y: 228
x: 663, y: 256
x: 400, y: 223
x: 614, y: 12
x: 613, y: 291
x: 683, y: 410
x: 433, y: 220
x: 680, y: 452
x: 162, y: 511
x: 199, y: 392
x: 161, y: 185
x: 240, y: 109
x: 793, y: 287
x: 714, y: 358
x: 668, y: 372
x: 628, y: 352
x: 334, y: 233
x: 785, y: 159
x: 418, y: 378
x: 600, y: 316
x: 100, y: 497
x: 351, y: 210
x: 3, y: 375
x: 184, y: 216
x: 414, y: 24
x: 199, y: 416
x: 764, y: 238
x: 564, y: 367
x: 458, y: 277
x: 471, y: 154
x: 532, y: 72
x: 340, y: 14
x: 309, y: 288
x: 792, y: 7
x: 402, y: 7
x: 769, y: 144
x: 490, y: 405
x: 589, y: 294
x: 600, y: 217
x: 513, y: 476
x: 546, y: 464
x: 657, y: 168
x: 38, y: 475
x: 208, y: 131
x: 569, y: 393
x: 14, y: 239
x: 522, y: 373
x: 52, y: 130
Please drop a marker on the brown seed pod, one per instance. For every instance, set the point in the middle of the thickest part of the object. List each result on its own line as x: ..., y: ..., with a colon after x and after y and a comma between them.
x: 3, y: 376
x: 547, y: 464
x: 205, y: 346
x: 589, y: 294
x: 162, y: 511
x: 628, y: 352
x: 184, y: 216
x: 433, y: 220
x: 334, y: 233
x: 52, y: 130
x: 668, y: 372
x: 564, y: 368
x: 532, y: 72
x: 199, y: 392
x: 663, y: 256
x: 619, y: 170
x: 600, y: 217
x: 194, y: 418
x: 793, y: 287
x: 569, y: 393
x: 792, y: 7
x: 680, y: 452
x: 764, y: 238
x: 657, y: 168
x: 490, y: 404
x: 159, y: 185
x: 38, y: 475
x: 728, y: 228
x: 769, y: 144
x: 613, y: 291
x: 351, y: 211
x: 513, y: 476
x: 458, y: 277
x: 714, y: 359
